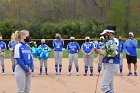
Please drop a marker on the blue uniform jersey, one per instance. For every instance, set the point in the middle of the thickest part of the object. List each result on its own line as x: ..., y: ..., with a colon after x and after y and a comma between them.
x: 23, y: 56
x: 130, y: 47
x: 87, y: 47
x: 58, y: 45
x: 2, y: 46
x: 100, y: 44
x: 12, y: 44
x: 116, y: 60
x: 44, y: 46
x: 120, y: 46
x: 73, y: 47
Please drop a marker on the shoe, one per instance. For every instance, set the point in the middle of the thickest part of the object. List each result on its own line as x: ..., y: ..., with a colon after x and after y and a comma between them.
x: 85, y: 74
x: 56, y: 73
x: 13, y: 73
x: 91, y: 74
x: 129, y: 74
x: 60, y: 73
x: 68, y: 74
x: 77, y: 74
x: 46, y: 73
x: 40, y: 73
x: 121, y: 74
x: 135, y: 74
x: 98, y: 74
x: 3, y: 73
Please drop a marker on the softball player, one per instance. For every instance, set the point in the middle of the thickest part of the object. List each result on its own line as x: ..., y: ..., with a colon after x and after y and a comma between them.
x: 45, y: 47
x: 25, y: 65
x: 58, y: 44
x: 73, y: 49
x: 87, y: 50
x: 111, y: 66
x: 2, y: 49
x: 121, y: 54
x: 99, y: 45
x: 11, y: 46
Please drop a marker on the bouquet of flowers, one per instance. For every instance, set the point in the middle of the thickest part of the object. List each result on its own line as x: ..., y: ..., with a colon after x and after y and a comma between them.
x: 110, y: 49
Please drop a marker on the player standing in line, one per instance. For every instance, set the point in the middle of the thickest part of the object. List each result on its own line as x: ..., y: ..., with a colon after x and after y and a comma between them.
x: 11, y: 47
x: 99, y: 45
x: 73, y: 49
x: 58, y: 44
x: 111, y: 65
x: 130, y: 48
x: 2, y: 50
x: 24, y: 65
x: 44, y: 47
x: 87, y: 50
x: 121, y: 54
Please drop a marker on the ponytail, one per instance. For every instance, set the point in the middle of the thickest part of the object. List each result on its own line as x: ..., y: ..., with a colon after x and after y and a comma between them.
x: 16, y: 36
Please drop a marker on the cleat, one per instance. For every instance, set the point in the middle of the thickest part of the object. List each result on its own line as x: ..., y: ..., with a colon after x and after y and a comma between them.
x: 77, y: 74
x: 91, y: 74
x: 121, y: 74
x: 129, y: 74
x: 135, y: 74
x: 68, y: 74
x: 85, y: 74
x: 3, y: 73
x: 13, y: 73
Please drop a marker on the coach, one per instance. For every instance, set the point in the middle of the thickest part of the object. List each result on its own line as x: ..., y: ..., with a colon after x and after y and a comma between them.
x: 130, y: 48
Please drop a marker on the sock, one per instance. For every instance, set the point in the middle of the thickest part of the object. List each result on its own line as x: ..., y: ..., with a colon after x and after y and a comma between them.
x: 77, y: 69
x: 60, y: 68
x: 91, y: 70
x: 13, y: 68
x: 109, y: 91
x: 99, y: 68
x: 121, y: 69
x: 46, y: 70
x: 40, y: 69
x: 2, y: 69
x: 56, y: 68
x: 86, y: 69
x: 70, y: 68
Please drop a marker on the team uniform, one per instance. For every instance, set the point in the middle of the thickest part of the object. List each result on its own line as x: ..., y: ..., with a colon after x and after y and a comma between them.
x: 111, y: 67
x: 73, y: 49
x: 24, y: 59
x: 88, y: 60
x: 44, y: 47
x: 99, y: 45
x: 121, y: 56
x: 2, y: 49
x: 130, y: 48
x: 11, y: 45
x: 58, y: 54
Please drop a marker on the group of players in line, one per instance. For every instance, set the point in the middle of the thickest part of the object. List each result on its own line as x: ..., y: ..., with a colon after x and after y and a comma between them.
x: 87, y: 48
x: 23, y: 65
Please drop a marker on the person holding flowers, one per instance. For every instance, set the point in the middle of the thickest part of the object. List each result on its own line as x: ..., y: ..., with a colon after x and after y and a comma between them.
x: 111, y: 59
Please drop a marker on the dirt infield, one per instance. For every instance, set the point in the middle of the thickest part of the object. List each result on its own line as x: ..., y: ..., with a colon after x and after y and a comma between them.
x: 68, y: 84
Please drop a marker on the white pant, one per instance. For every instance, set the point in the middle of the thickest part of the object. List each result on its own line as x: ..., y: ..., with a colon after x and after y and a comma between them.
x: 110, y: 70
x: 2, y: 60
x: 13, y: 60
x: 88, y: 60
x: 43, y: 61
x: 23, y: 81
x: 73, y: 57
x: 58, y: 57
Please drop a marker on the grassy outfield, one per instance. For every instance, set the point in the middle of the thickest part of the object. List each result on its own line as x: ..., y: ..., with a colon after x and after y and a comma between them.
x: 65, y: 54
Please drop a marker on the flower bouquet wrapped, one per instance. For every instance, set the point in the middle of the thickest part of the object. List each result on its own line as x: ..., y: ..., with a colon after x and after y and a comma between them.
x: 110, y: 49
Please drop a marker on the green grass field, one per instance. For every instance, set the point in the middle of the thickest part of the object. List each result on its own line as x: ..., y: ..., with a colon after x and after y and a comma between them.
x: 65, y: 54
